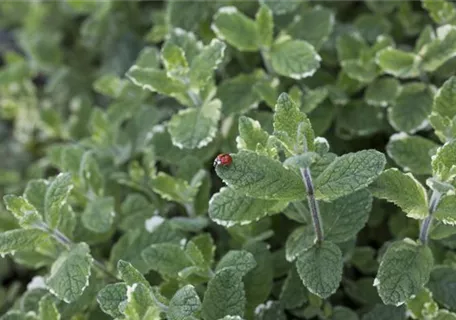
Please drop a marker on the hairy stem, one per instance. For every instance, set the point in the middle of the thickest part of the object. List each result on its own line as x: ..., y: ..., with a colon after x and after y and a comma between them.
x: 313, y: 204
x: 426, y: 225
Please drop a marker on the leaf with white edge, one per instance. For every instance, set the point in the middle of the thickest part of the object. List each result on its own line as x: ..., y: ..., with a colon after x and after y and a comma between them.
x: 184, y: 304
x: 174, y: 61
x: 239, y: 260
x: 130, y: 275
x: 360, y: 119
x: 281, y: 7
x: 204, y: 64
x: 56, y: 197
x: 270, y: 310
x: 440, y: 50
x: 228, y: 208
x: 237, y: 95
x: 361, y: 71
x: 445, y: 99
x: 403, y: 190
x: 139, y: 304
x: 296, y: 59
x: 47, y: 309
x: 21, y: 240
x: 441, y: 11
x: 293, y: 294
x: 166, y: 258
x: 22, y: 210
x: 149, y: 57
x: 404, y: 270
x: 173, y: 188
x: 312, y: 24
x: 398, y: 63
x: 261, y: 177
x: 445, y: 315
x: 442, y: 283
x: 446, y: 210
x: 70, y: 273
x: 35, y: 193
x: 110, y: 297
x: 412, y: 107
x: 236, y: 28
x: 444, y: 162
x: 300, y: 240
x: 250, y: 134
x: 423, y: 305
x: 292, y: 126
x: 195, y: 127
x: 224, y: 295
x: 349, y: 173
x: 320, y: 268
x: 187, y: 41
x: 411, y: 153
x: 99, y: 214
x: 346, y: 216
x: 382, y: 92
x: 265, y: 26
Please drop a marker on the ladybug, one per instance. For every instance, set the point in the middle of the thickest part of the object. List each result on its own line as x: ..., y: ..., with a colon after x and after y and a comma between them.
x: 223, y: 159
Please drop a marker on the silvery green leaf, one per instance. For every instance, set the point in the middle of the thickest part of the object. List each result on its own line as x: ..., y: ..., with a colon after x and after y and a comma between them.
x: 174, y: 61
x: 130, y: 275
x: 441, y: 12
x: 444, y: 162
x: 56, y: 197
x: 48, y: 309
x: 166, y: 258
x: 35, y: 193
x: 404, y: 270
x: 237, y: 95
x: 446, y: 210
x: 110, y: 297
x: 22, y: 210
x: 440, y: 50
x: 21, y: 240
x: 445, y: 99
x: 382, y: 92
x: 203, y: 65
x: 99, y: 215
x: 441, y: 284
x: 293, y: 293
x: 250, y: 134
x: 398, y: 63
x: 184, y: 304
x: 239, y: 260
x: 300, y: 240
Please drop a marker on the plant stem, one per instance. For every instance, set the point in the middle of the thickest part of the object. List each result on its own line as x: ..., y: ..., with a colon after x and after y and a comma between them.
x: 426, y: 225
x: 313, y: 204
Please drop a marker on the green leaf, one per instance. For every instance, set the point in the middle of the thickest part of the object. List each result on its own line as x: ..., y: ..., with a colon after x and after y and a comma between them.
x: 110, y: 297
x: 139, y: 304
x: 228, y: 208
x: 224, y: 295
x: 441, y: 284
x: 265, y: 26
x: 404, y: 270
x: 239, y: 260
x: 411, y: 153
x: 343, y: 313
x: 187, y: 41
x: 403, y: 190
x: 313, y: 98
x: 35, y: 193
x: 22, y: 210
x: 320, y: 268
x: 350, y: 46
x: 383, y: 312
x: 382, y: 92
x: 130, y: 275
x: 349, y: 173
x: 204, y: 64
x: 293, y: 294
x: 236, y: 28
x: 70, y: 273
x: 361, y: 71
x: 445, y: 99
x: 184, y: 304
x: 440, y: 50
x: 99, y: 214
x: 281, y: 7
x: 422, y: 305
x: 48, y: 310
x: 346, y: 216
x: 250, y: 134
x: 441, y: 11
x: 296, y: 59
x: 56, y: 197
x: 261, y: 177
x: 446, y: 210
x: 299, y: 241
x: 174, y: 189
x: 398, y: 63
x: 271, y: 310
x: 149, y: 57
x: 237, y: 95
x: 20, y: 240
x: 174, y: 61
x: 166, y: 258
x: 445, y: 315
x: 312, y: 24
x: 195, y: 128
x: 290, y: 124
x: 444, y: 162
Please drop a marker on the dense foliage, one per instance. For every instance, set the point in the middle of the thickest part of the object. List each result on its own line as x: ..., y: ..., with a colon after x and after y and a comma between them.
x: 336, y: 199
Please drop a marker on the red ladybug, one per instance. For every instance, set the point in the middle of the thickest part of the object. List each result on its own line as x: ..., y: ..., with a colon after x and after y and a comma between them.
x: 223, y: 159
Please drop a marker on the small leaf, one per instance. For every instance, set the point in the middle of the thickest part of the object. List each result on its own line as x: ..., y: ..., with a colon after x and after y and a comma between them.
x: 195, y: 128
x: 364, y: 72
x: 398, y: 63
x: 204, y: 64
x: 228, y: 208
x: 343, y: 313
x: 139, y: 304
x: 47, y: 308
x: 130, y: 275
x: 382, y: 92
x: 110, y: 297
x: 445, y: 99
x: 441, y: 284
x: 261, y: 177
x: 20, y: 240
x: 411, y: 109
x: 56, y: 197
x: 441, y: 11
x: 444, y: 162
x: 422, y: 305
x: 35, y: 193
x: 299, y: 241
x: 70, y: 273
x: 184, y: 304
x: 349, y: 173
x: 99, y: 215
x: 270, y: 310
x: 236, y: 28
x: 166, y: 258
x: 237, y: 95
x: 412, y: 153
x: 383, y: 312
x: 250, y: 134
x: 265, y: 26
x: 296, y: 59
x: 174, y: 189
x: 224, y: 295
x: 22, y: 210
x: 239, y: 260
x: 404, y: 270
x: 320, y: 268
x: 174, y: 60
x: 445, y: 315
x: 403, y: 190
x: 446, y: 210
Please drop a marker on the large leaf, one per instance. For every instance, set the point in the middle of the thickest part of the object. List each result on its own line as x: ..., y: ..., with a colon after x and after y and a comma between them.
x: 184, y: 304
x: 20, y: 240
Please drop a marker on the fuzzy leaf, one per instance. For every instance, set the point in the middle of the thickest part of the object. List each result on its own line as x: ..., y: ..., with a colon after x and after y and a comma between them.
x: 56, y: 197
x: 261, y: 177
x: 440, y: 50
x: 296, y: 59
x: 349, y: 173
x: 166, y: 258
x: 99, y: 215
x: 239, y: 260
x: 174, y: 60
x: 70, y: 273
x: 445, y: 99
x: 237, y: 95
x: 403, y: 190
x: 184, y: 304
x: 293, y: 293
x: 444, y: 161
x: 299, y: 241
x: 446, y: 210
x: 398, y: 63
x: 130, y: 275
x: 265, y: 26
x: 204, y: 64
x: 20, y: 240
x: 47, y: 309
x: 110, y: 297
x: 173, y: 188
x: 250, y: 134
x: 139, y: 304
x: 35, y: 193
x: 382, y: 92
x: 441, y: 11
x: 441, y: 284
x: 404, y: 270
x: 22, y: 210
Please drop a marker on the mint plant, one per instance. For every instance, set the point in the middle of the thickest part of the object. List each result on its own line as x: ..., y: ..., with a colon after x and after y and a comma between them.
x: 214, y: 160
